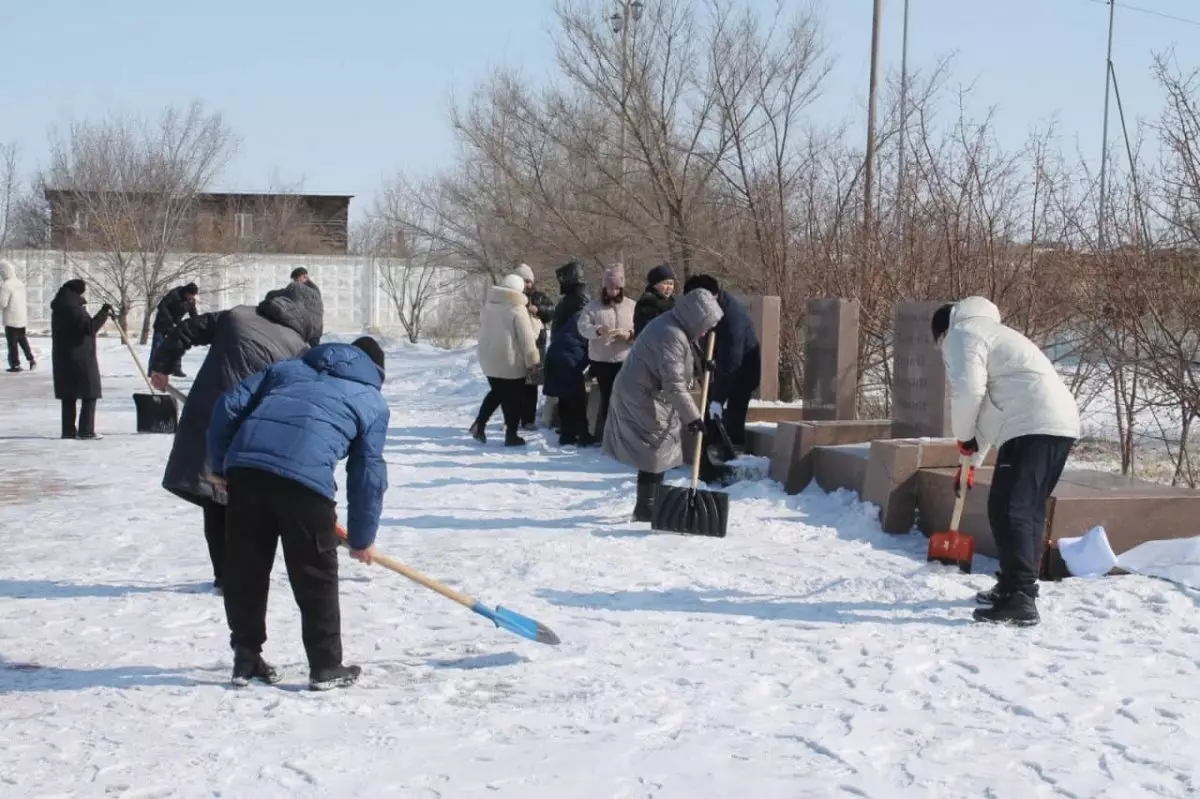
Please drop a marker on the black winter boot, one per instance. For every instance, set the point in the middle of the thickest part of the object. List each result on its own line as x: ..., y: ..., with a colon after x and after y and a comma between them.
x: 643, y: 511
x: 1019, y: 609
x: 477, y: 432
x: 336, y: 677
x: 249, y: 666
x: 511, y: 439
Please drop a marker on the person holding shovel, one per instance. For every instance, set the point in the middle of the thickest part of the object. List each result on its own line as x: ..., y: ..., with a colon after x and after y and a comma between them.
x: 651, y: 404
x: 279, y: 475
x: 1005, y: 392
x: 73, y: 358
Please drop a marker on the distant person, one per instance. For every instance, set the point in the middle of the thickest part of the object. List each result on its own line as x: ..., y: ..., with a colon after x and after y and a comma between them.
x: 15, y: 317
x: 572, y: 286
x: 73, y: 358
x: 508, y: 355
x: 657, y: 299
x: 651, y: 401
x: 738, y: 358
x: 1005, y: 392
x: 241, y: 341
x: 543, y: 309
x: 566, y: 365
x: 176, y: 304
x: 280, y: 480
x: 607, y: 324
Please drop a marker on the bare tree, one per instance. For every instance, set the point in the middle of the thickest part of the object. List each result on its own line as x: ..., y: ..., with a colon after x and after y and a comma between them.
x: 132, y: 187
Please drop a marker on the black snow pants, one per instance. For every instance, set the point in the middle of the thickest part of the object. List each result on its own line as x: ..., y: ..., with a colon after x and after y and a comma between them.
x: 529, y: 403
x: 78, y: 418
x: 214, y: 535
x: 1027, y: 470
x: 506, y: 394
x: 573, y: 421
x: 264, y: 509
x: 606, y: 376
x: 15, y: 338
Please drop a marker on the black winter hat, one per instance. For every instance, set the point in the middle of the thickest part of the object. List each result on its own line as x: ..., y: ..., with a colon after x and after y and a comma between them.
x: 371, y: 347
x: 190, y: 288
x: 569, y: 273
x: 940, y: 322
x: 660, y: 273
x: 76, y: 285
x: 298, y: 271
x: 706, y: 282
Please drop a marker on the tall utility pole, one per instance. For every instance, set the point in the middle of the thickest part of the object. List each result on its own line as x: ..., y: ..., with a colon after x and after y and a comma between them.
x: 901, y: 174
x: 1102, y: 234
x: 869, y: 169
x: 627, y: 12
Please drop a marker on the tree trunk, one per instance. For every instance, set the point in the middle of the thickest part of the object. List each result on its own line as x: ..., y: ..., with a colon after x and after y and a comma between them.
x: 146, y: 319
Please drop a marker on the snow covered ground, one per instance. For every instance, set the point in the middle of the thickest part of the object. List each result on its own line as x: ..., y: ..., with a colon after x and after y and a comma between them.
x: 806, y: 655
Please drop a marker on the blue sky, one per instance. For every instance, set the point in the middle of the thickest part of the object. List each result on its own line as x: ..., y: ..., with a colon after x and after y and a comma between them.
x: 341, y: 94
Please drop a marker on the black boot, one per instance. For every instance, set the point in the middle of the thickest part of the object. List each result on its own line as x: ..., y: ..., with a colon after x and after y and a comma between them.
x: 1018, y: 608
x: 643, y: 511
x: 249, y: 666
x: 511, y: 439
x: 477, y: 432
x: 999, y: 591
x: 336, y: 677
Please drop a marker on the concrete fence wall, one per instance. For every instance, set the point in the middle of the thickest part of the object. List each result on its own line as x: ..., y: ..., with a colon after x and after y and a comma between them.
x: 350, y: 285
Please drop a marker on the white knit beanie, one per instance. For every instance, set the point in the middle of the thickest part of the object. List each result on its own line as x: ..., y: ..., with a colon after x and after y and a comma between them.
x: 514, y: 282
x: 525, y: 272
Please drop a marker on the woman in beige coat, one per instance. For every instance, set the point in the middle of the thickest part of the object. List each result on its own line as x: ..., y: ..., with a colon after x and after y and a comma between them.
x: 508, y: 354
x: 607, y: 324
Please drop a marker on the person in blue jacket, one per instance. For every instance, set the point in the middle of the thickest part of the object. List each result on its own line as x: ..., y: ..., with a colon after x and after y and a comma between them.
x: 566, y: 363
x: 273, y: 443
x: 738, y: 360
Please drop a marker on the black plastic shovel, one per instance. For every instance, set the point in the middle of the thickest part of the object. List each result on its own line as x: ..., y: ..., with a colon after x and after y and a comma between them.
x: 689, y: 510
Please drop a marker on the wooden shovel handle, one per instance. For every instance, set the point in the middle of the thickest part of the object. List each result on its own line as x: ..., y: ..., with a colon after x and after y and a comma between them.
x: 960, y: 501
x: 712, y: 345
x: 137, y: 361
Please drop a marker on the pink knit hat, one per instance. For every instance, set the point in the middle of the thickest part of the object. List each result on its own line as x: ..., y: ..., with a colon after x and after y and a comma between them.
x: 614, y: 277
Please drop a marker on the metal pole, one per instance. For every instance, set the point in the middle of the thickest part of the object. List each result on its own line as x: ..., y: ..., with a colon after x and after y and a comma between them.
x: 1102, y: 234
x: 624, y: 99
x: 869, y: 170
x: 901, y: 175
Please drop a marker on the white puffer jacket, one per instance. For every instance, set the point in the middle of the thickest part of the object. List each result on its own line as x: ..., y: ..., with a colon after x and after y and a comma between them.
x: 507, y: 340
x: 1001, y: 385
x: 12, y: 297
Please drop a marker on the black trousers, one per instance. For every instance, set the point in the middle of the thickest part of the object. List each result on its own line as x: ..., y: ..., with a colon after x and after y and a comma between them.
x: 506, y: 394
x: 572, y: 417
x: 529, y: 402
x: 737, y: 407
x: 86, y: 418
x: 214, y: 535
x: 1027, y: 470
x: 15, y: 337
x: 264, y: 509
x: 606, y: 375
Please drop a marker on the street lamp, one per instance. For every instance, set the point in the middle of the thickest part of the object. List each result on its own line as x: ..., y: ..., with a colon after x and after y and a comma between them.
x: 627, y: 13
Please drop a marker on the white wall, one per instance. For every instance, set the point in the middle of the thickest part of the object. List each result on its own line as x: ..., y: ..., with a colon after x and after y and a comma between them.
x: 354, y: 301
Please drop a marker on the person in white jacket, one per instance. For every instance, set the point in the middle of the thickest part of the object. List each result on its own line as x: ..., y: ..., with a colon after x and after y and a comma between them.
x: 508, y: 354
x: 1005, y: 392
x: 12, y: 308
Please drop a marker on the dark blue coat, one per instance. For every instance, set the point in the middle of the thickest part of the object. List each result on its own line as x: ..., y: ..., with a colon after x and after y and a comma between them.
x: 298, y: 418
x: 738, y: 357
x: 566, y: 361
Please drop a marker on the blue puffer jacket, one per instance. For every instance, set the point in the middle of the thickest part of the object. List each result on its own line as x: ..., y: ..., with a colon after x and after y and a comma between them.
x: 298, y: 418
x: 566, y: 361
x: 738, y: 357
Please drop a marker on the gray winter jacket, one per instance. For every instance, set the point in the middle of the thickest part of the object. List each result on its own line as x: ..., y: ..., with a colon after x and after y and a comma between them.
x: 650, y: 400
x: 242, y: 341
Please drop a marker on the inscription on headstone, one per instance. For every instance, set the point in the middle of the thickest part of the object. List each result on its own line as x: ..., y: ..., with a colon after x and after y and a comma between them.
x: 831, y: 357
x: 920, y: 397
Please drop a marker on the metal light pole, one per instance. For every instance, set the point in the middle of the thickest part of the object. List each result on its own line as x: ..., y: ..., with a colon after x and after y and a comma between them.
x: 1102, y: 234
x: 869, y: 169
x: 901, y: 174
x: 628, y: 13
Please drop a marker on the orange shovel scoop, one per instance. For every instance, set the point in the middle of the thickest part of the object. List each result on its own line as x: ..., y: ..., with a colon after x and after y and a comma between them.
x: 952, y: 547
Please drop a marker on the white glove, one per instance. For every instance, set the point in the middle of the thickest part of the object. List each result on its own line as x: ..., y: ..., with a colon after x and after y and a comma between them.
x: 714, y: 410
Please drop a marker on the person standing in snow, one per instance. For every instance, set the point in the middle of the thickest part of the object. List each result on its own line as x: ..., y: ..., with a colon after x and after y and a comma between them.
x: 566, y: 364
x: 738, y: 358
x: 542, y: 307
x: 508, y: 354
x: 73, y: 358
x: 572, y: 286
x: 651, y: 404
x: 241, y: 341
x: 607, y: 324
x: 13, y: 311
x: 172, y: 308
x: 1005, y: 392
x: 657, y: 299
x: 279, y: 476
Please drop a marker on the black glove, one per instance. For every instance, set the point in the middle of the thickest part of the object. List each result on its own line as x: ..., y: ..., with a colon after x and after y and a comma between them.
x: 107, y: 310
x: 708, y: 366
x: 696, y: 426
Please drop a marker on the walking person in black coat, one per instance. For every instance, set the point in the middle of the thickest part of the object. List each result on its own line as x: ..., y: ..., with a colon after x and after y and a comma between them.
x: 73, y: 358
x: 172, y: 308
x: 738, y: 360
x: 242, y: 341
x: 657, y: 299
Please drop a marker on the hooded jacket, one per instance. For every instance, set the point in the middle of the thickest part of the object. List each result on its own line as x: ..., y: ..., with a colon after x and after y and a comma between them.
x: 650, y: 401
x: 507, y: 337
x: 300, y: 417
x: 1001, y: 384
x: 12, y: 297
x: 574, y: 295
x: 73, y: 346
x: 241, y: 341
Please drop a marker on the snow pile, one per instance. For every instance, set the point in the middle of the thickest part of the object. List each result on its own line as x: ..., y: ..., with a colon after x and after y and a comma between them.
x: 808, y: 654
